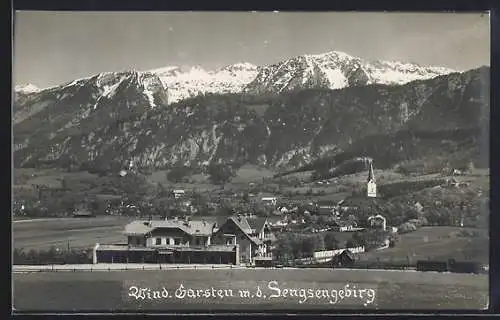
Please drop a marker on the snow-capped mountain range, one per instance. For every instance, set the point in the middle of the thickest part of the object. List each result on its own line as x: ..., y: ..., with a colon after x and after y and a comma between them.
x: 333, y: 70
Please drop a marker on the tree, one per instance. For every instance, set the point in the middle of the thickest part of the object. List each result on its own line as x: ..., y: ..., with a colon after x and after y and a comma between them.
x: 331, y: 243
x: 308, y: 246
x: 177, y: 174
x: 319, y: 243
x: 220, y: 174
x: 284, y: 248
x: 407, y: 227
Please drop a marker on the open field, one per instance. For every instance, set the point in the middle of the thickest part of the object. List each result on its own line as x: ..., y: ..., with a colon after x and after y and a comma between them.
x: 100, y: 291
x: 243, y: 176
x: 25, y: 177
x: 438, y: 243
x: 61, y: 232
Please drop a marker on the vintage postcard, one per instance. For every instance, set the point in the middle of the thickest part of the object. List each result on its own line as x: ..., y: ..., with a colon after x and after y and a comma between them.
x: 257, y: 161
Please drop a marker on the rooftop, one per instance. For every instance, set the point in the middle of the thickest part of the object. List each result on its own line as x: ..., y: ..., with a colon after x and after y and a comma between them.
x: 124, y: 247
x: 257, y: 223
x: 192, y: 227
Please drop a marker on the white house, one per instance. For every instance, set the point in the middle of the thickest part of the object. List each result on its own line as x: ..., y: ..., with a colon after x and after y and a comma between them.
x: 378, y: 220
x: 269, y: 200
x: 178, y: 193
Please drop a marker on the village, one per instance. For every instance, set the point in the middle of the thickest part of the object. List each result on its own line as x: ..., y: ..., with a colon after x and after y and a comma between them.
x: 252, y: 229
x: 250, y: 240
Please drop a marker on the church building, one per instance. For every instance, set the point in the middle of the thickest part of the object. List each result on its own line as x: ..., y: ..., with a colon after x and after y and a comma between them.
x: 371, y: 184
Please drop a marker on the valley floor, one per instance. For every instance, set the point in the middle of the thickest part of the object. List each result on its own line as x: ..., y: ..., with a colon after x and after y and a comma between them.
x: 100, y: 291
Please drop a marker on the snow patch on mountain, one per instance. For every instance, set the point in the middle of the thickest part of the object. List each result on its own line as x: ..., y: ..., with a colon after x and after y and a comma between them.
x: 183, y: 83
x: 337, y: 70
x: 26, y: 88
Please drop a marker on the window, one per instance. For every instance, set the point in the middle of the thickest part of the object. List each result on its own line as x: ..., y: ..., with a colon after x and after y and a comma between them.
x: 229, y: 241
x: 197, y: 241
x: 177, y: 241
x: 158, y: 241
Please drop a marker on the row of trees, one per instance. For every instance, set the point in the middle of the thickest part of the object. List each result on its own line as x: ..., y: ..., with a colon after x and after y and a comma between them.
x: 51, y: 256
x: 295, y: 246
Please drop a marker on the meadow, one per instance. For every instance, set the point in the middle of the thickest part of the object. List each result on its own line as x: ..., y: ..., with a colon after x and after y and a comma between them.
x: 100, y: 291
x: 436, y: 243
x: 75, y: 233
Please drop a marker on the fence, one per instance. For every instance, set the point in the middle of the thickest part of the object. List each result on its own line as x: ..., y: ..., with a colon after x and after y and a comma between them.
x: 114, y: 267
x: 325, y: 256
x: 439, y: 266
x: 332, y: 253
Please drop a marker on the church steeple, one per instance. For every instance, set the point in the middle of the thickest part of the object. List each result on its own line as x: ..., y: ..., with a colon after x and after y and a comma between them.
x: 371, y: 175
x: 371, y: 186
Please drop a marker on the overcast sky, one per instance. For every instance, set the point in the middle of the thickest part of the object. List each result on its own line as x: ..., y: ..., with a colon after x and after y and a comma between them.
x: 54, y: 47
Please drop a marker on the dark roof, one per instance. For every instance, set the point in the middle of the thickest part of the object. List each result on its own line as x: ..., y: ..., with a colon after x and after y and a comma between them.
x: 348, y: 254
x: 371, y: 175
x: 257, y: 224
x: 326, y: 202
x: 242, y: 223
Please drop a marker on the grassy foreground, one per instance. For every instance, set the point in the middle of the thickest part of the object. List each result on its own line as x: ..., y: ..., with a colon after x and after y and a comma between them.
x: 101, y: 291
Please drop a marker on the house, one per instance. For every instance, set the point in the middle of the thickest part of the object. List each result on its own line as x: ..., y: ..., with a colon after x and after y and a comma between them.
x: 168, y: 241
x: 83, y: 213
x: 284, y: 210
x: 236, y: 239
x: 344, y: 259
x: 378, y: 221
x: 277, y: 223
x: 419, y: 207
x: 269, y: 200
x: 251, y: 235
x: 178, y: 193
x: 261, y: 228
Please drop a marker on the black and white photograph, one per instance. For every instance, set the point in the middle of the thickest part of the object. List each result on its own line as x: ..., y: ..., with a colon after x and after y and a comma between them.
x: 250, y: 161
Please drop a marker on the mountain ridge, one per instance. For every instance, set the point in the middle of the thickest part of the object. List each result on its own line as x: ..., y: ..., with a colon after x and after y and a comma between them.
x: 283, y: 131
x: 330, y: 70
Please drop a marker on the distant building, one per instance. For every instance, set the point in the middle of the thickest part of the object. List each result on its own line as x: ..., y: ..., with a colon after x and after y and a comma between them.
x: 371, y: 184
x: 344, y: 259
x: 269, y: 200
x: 83, y: 213
x: 418, y: 207
x: 178, y: 193
x: 378, y: 221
